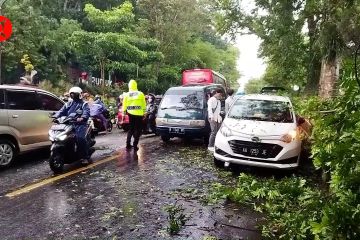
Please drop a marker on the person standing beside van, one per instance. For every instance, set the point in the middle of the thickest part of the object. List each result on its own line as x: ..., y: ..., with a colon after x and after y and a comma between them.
x: 135, y: 105
x: 215, y: 119
x: 229, y: 100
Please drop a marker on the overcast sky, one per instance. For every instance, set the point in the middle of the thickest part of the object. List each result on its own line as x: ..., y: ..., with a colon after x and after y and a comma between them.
x: 249, y: 65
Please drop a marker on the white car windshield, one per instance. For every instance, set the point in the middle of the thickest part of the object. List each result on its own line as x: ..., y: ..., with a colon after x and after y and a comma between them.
x: 262, y: 110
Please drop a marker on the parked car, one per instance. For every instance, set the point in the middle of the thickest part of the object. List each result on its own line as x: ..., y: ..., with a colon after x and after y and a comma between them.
x: 24, y: 120
x: 260, y: 130
x: 183, y: 112
x: 272, y: 90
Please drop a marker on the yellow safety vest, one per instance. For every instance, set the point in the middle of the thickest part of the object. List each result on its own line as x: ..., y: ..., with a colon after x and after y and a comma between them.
x: 134, y: 103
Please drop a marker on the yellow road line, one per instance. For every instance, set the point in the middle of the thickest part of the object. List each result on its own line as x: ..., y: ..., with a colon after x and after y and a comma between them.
x: 56, y: 178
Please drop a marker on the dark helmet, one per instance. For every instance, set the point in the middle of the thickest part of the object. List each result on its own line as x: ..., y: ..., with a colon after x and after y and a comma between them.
x: 97, y: 97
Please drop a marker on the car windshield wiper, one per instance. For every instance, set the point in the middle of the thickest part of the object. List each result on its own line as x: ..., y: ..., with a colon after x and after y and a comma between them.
x: 173, y: 107
x: 251, y: 118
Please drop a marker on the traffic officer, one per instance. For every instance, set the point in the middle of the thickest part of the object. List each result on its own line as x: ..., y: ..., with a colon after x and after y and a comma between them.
x: 135, y: 105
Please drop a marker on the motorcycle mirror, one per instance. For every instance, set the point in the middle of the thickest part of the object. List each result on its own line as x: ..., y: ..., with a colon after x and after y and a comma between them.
x: 300, y: 121
x: 72, y: 115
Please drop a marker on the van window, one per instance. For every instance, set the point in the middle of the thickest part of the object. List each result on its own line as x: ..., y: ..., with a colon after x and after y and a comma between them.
x: 49, y: 103
x: 2, y: 99
x: 22, y: 100
x: 183, y: 99
x: 182, y: 104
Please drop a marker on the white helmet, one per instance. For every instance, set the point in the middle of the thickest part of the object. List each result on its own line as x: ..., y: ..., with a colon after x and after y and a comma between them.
x: 75, y: 90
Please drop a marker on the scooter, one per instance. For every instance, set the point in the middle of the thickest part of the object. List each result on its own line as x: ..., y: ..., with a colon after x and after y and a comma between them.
x: 123, y: 122
x: 64, y: 148
x: 98, y: 125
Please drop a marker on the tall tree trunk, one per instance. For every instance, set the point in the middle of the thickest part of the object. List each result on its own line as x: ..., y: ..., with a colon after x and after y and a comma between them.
x: 329, y: 77
x: 102, y: 73
x: 314, y: 69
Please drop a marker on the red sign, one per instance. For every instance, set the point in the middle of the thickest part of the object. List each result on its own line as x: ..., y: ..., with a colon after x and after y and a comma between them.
x: 84, y: 75
x: 5, y: 28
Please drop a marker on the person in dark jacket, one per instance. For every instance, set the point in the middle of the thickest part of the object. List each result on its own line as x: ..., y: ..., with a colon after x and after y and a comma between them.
x: 75, y: 106
x: 151, y: 110
x: 99, y: 110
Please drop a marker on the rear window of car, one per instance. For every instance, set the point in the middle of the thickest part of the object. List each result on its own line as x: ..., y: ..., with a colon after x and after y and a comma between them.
x: 262, y: 110
x: 49, y: 103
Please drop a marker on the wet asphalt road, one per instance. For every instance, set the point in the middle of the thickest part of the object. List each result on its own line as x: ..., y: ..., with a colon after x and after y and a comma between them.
x: 124, y: 198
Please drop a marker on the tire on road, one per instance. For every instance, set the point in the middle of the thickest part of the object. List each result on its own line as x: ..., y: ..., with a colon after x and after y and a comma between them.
x: 110, y: 126
x: 8, y: 152
x: 165, y: 138
x: 125, y: 127
x: 218, y: 163
x: 56, y: 163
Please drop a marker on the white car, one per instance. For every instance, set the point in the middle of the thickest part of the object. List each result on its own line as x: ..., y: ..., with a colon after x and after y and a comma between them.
x: 261, y: 131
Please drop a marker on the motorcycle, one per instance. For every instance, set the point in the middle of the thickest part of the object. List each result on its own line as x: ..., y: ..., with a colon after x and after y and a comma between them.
x: 64, y: 148
x: 123, y: 123
x: 99, y: 126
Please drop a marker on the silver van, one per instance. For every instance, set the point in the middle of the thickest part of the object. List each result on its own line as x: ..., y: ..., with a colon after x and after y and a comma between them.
x: 24, y: 120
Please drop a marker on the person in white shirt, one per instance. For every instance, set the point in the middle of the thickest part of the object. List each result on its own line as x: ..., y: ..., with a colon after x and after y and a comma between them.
x: 214, y: 108
x: 229, y: 100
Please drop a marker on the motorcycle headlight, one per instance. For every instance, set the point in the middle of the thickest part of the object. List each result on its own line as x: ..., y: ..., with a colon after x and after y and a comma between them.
x: 226, y: 131
x: 289, y: 137
x: 62, y: 137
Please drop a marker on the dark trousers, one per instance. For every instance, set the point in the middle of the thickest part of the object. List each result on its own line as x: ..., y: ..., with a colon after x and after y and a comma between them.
x: 81, y: 141
x: 136, y: 125
x: 150, y: 122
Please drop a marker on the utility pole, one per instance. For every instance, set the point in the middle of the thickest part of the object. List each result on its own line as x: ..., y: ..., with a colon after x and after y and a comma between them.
x: 1, y: 4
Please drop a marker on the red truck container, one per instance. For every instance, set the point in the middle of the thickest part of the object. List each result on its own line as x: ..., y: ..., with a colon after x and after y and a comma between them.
x: 202, y: 76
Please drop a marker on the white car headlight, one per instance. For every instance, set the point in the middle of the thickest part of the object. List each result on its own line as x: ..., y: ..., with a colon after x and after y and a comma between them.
x: 289, y: 137
x: 160, y: 121
x: 226, y: 131
x: 197, y: 123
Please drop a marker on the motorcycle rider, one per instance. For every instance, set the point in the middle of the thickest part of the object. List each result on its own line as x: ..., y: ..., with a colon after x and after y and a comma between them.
x: 98, y: 110
x: 97, y: 100
x: 150, y: 116
x: 72, y: 107
x: 135, y: 105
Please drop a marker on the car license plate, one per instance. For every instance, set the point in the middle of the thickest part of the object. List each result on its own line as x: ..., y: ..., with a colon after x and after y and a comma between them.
x: 250, y: 151
x: 177, y: 130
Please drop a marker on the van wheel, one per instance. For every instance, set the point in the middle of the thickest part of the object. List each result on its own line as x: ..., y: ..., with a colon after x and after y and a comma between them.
x: 7, y: 153
x: 218, y: 163
x: 165, y: 139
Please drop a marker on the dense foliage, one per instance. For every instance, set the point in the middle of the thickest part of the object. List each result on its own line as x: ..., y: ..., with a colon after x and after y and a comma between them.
x: 303, y: 42
x: 152, y: 41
